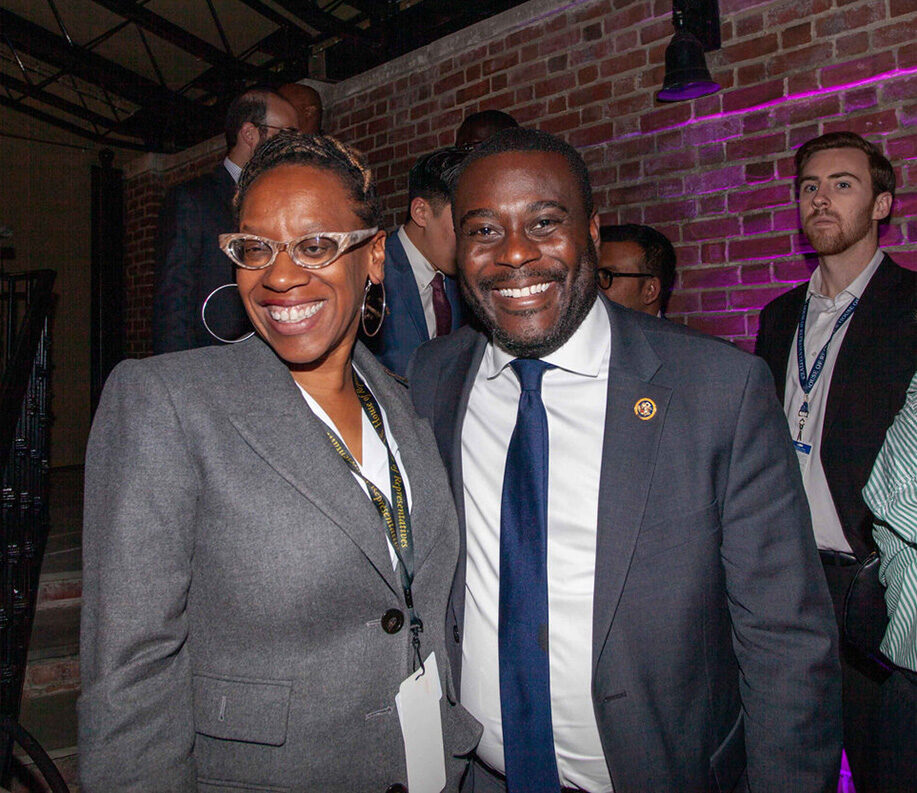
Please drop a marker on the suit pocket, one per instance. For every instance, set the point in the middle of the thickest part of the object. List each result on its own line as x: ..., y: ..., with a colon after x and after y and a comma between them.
x: 242, y: 709
x: 728, y: 762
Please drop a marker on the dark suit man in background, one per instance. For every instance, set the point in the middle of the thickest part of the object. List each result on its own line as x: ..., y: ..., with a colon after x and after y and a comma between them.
x: 842, y: 349
x: 638, y: 604
x: 636, y: 267
x: 189, y: 263
x: 422, y: 296
x: 478, y: 127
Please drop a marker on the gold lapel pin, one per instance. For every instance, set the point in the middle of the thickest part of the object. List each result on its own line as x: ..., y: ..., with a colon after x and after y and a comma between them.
x: 644, y: 408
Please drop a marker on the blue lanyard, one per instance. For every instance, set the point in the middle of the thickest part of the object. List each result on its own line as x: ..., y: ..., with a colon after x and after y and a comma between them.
x: 807, y: 380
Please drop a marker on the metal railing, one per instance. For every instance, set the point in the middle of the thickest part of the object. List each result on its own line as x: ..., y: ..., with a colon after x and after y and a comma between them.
x: 25, y: 306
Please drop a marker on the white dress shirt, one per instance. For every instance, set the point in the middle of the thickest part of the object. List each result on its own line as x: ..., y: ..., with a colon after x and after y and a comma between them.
x: 375, y: 457
x: 234, y: 170
x: 822, y: 316
x: 574, y: 395
x: 424, y: 273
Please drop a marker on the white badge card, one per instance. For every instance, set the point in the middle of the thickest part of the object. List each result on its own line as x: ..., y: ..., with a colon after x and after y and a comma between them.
x: 417, y: 701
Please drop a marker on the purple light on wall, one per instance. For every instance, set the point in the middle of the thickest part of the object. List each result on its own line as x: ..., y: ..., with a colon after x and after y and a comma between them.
x: 878, y: 78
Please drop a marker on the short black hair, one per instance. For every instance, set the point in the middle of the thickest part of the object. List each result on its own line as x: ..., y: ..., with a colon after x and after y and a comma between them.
x: 497, y: 120
x: 658, y: 253
x: 880, y: 169
x: 250, y: 106
x: 430, y: 177
x: 524, y: 139
x: 319, y: 151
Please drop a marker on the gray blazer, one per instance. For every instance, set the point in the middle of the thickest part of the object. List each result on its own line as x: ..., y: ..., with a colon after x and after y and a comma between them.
x: 714, y: 646
x: 235, y: 575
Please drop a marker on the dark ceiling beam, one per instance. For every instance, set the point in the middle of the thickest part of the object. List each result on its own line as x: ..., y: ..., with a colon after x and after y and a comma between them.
x: 53, y: 100
x: 376, y: 9
x: 69, y: 127
x: 50, y: 48
x: 409, y: 30
x: 179, y: 37
x: 328, y: 24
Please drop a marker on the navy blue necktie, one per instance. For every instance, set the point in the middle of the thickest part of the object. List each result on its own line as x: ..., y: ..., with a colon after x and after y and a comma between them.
x: 525, y: 684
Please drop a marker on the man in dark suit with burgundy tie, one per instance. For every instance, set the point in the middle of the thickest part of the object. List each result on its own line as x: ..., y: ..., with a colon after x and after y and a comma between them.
x: 638, y: 605
x: 423, y: 299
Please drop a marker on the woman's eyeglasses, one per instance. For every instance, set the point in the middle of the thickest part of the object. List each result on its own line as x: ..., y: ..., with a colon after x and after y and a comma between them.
x: 311, y: 251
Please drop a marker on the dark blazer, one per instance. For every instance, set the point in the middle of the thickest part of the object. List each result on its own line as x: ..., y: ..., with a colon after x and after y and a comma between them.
x: 405, y: 327
x: 190, y: 265
x: 235, y: 577
x: 714, y: 644
x: 868, y: 387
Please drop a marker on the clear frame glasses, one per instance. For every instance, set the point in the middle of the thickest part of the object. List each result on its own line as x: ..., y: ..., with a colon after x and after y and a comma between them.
x: 311, y: 251
x: 606, y: 277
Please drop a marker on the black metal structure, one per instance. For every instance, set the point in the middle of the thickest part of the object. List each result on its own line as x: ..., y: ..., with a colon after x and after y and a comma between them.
x: 141, y: 80
x: 25, y: 307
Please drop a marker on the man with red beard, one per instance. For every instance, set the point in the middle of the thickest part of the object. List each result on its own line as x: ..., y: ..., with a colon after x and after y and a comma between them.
x: 842, y: 349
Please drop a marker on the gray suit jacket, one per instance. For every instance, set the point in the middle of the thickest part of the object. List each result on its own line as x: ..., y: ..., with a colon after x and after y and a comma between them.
x: 235, y: 575
x: 714, y: 644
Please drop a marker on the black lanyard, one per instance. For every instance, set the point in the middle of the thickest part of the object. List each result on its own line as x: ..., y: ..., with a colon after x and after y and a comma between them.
x: 395, y: 516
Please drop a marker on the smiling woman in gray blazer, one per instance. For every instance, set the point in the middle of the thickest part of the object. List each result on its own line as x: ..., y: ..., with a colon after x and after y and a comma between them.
x: 246, y: 624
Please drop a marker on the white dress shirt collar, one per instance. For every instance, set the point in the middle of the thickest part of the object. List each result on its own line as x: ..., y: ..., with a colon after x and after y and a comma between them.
x: 424, y: 272
x: 854, y: 289
x: 234, y: 170
x: 583, y: 353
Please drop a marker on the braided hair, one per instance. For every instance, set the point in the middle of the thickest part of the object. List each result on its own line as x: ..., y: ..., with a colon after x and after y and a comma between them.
x: 318, y: 151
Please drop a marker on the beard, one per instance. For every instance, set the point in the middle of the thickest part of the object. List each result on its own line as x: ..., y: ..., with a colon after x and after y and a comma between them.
x: 833, y: 240
x: 534, y: 342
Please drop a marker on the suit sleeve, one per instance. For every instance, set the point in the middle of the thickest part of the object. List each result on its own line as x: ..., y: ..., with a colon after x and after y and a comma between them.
x: 784, y: 631
x: 135, y: 712
x: 178, y: 251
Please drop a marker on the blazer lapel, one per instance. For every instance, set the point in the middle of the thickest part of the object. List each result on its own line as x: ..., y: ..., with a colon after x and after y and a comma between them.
x: 406, y: 286
x: 628, y: 459
x: 416, y: 456
x: 292, y: 440
x: 864, y: 323
x: 451, y: 402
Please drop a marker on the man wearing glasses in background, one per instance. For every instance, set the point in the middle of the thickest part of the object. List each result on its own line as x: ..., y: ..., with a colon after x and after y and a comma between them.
x: 189, y: 264
x: 636, y: 267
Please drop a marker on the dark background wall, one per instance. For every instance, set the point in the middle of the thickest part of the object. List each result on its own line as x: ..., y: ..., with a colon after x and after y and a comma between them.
x: 714, y: 174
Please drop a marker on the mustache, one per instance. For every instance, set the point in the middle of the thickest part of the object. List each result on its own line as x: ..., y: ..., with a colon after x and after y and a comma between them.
x: 821, y: 213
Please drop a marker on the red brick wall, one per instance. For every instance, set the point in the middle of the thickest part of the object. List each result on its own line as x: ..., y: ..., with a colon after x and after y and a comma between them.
x: 714, y: 174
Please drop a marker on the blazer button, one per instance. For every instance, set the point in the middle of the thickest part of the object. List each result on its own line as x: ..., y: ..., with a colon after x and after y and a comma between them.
x: 392, y: 621
x: 397, y: 788
x: 455, y: 634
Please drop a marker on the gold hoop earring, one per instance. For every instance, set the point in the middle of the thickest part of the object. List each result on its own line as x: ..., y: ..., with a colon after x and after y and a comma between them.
x: 207, y: 326
x: 369, y: 309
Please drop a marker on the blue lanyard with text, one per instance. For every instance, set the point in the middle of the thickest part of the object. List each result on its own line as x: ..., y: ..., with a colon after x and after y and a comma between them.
x: 398, y: 519
x: 807, y: 380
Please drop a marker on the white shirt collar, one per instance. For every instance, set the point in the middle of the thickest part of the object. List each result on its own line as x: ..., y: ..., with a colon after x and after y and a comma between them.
x: 583, y: 353
x: 855, y: 288
x: 424, y: 272
x: 234, y: 170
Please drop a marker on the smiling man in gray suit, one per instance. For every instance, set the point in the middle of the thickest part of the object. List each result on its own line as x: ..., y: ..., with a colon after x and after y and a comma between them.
x: 637, y: 606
